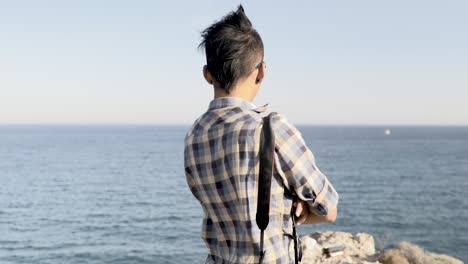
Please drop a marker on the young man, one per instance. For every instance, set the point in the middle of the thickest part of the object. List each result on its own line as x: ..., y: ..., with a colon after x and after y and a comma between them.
x: 222, y: 156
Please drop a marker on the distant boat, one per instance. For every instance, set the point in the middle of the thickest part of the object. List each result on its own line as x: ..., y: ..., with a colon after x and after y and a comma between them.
x: 388, y: 132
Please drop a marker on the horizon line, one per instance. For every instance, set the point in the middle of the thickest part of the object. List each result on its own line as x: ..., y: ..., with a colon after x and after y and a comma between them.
x: 187, y: 124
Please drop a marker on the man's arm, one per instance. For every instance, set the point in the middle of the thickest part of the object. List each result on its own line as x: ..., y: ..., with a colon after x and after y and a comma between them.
x: 296, y: 165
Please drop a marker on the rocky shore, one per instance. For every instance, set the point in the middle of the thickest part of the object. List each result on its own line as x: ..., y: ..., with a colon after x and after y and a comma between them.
x: 360, y: 248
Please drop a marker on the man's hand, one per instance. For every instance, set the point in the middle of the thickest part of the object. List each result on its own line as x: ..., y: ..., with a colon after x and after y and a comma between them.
x: 301, y: 211
x: 304, y: 216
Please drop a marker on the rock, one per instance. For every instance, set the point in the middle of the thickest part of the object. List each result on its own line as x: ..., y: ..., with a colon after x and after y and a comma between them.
x: 406, y: 252
x: 393, y: 256
x: 310, y: 245
x: 359, y: 248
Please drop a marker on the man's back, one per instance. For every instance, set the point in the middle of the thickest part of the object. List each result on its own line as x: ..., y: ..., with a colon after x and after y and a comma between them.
x: 222, y: 165
x: 221, y: 162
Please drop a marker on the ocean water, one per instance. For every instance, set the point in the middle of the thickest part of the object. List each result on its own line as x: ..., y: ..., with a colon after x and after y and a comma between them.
x: 117, y: 194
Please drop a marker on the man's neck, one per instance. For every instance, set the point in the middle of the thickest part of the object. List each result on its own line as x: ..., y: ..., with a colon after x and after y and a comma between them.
x: 237, y: 93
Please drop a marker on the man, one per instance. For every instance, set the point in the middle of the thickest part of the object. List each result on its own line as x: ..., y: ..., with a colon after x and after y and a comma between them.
x: 222, y: 160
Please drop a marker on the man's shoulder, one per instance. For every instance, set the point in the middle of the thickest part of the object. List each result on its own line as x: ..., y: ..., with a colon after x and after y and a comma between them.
x: 229, y: 118
x: 281, y: 124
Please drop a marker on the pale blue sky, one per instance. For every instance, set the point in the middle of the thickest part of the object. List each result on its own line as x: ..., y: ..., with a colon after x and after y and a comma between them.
x: 329, y: 62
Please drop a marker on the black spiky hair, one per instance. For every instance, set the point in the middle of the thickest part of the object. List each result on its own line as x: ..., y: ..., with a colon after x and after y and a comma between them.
x: 232, y: 47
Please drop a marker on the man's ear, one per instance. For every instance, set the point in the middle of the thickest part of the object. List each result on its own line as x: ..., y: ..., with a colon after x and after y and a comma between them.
x: 260, y: 74
x: 207, y: 75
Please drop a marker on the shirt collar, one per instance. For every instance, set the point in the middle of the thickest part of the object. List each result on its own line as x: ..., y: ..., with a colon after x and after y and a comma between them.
x: 222, y: 102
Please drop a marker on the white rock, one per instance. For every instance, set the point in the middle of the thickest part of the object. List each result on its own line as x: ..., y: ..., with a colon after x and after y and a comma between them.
x: 358, y: 249
x: 406, y: 252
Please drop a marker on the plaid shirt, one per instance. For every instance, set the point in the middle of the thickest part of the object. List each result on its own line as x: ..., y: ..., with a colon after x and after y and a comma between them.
x: 221, y: 167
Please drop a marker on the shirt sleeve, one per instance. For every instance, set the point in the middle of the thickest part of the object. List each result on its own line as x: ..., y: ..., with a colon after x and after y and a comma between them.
x: 296, y: 165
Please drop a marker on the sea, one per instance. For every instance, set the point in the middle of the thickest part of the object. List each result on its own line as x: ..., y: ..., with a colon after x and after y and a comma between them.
x: 117, y: 193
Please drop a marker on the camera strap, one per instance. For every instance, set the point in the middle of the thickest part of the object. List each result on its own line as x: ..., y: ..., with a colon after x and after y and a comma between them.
x: 267, y: 169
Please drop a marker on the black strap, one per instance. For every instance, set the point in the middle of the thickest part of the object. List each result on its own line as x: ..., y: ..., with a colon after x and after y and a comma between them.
x: 297, y: 255
x: 267, y: 169
x: 267, y: 151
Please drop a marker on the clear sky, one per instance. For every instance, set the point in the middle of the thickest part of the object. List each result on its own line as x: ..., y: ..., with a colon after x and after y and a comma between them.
x: 328, y: 62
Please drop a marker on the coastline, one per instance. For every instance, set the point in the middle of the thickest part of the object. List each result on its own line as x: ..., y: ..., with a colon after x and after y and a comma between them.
x: 360, y: 248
